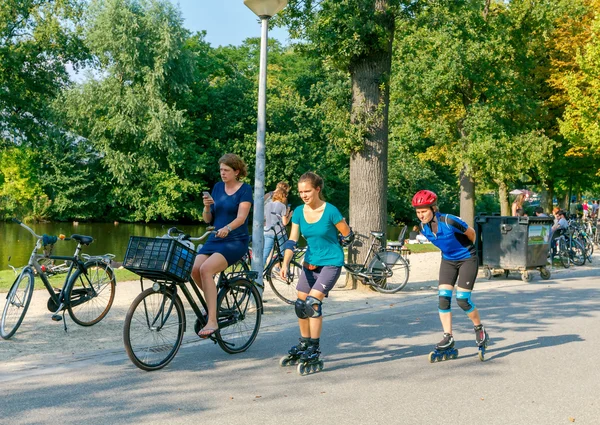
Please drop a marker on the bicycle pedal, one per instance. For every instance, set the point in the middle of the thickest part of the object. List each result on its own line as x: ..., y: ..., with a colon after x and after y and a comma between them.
x: 56, y: 317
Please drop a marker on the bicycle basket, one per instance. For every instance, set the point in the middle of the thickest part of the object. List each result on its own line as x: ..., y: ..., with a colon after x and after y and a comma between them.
x: 159, y: 258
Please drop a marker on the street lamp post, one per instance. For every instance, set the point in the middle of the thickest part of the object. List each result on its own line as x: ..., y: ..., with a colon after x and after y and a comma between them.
x: 264, y: 9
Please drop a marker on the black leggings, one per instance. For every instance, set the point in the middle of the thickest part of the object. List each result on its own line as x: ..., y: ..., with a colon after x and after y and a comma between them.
x: 465, y: 271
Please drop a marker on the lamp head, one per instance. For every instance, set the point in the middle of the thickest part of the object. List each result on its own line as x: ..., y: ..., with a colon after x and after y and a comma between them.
x: 266, y: 8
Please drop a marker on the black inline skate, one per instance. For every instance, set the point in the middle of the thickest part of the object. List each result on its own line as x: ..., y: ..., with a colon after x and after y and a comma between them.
x: 294, y: 353
x: 309, y: 361
x: 444, y: 350
x: 482, y: 339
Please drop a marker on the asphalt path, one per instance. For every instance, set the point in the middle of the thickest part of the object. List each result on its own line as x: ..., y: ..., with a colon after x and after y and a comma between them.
x: 541, y: 368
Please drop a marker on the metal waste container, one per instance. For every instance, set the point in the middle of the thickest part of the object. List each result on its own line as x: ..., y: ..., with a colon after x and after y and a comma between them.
x: 513, y: 244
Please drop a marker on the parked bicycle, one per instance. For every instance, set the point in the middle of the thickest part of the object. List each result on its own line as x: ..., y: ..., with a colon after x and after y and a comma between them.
x: 156, y: 321
x: 87, y: 292
x: 284, y: 289
x: 385, y: 270
x: 569, y: 250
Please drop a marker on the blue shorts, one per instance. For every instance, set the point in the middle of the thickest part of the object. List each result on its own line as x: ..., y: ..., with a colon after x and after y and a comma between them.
x: 232, y: 250
x: 321, y: 279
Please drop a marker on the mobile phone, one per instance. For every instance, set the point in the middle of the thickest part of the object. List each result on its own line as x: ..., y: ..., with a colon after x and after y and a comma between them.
x: 207, y: 195
x: 289, y: 206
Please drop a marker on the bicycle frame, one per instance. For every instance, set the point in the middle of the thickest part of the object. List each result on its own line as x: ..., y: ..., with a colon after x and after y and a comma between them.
x: 223, y: 281
x: 75, y: 262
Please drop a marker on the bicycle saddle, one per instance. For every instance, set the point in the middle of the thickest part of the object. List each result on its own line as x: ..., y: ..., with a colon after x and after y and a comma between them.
x: 377, y: 234
x: 84, y: 240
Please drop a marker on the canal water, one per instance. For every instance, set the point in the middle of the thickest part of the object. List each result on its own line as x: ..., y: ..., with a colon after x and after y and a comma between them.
x: 17, y: 243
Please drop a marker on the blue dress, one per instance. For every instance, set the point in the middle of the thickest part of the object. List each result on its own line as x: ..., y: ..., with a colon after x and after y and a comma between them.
x: 224, y: 211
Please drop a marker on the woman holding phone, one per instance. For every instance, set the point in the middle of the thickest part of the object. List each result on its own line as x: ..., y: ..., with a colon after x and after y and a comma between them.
x: 227, y: 209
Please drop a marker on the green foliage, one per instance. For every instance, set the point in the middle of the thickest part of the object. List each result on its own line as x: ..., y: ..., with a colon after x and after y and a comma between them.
x: 129, y: 113
x: 37, y: 40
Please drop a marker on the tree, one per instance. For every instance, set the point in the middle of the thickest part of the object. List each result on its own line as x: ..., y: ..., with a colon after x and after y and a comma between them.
x: 38, y: 39
x: 460, y: 89
x: 356, y: 37
x: 128, y: 110
x: 580, y: 124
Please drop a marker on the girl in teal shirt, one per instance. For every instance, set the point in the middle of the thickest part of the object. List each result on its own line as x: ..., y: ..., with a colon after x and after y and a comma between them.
x: 319, y: 222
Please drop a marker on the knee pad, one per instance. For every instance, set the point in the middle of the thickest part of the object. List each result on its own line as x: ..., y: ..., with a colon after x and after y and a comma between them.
x: 463, y: 299
x: 445, y: 300
x: 300, y: 307
x: 313, y: 307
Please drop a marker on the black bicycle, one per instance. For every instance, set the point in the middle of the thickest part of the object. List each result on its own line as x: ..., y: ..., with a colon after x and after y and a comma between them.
x: 156, y: 321
x: 284, y: 288
x: 384, y: 270
x: 87, y: 293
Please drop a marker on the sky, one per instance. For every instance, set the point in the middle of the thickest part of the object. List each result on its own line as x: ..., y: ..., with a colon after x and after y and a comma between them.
x: 226, y: 22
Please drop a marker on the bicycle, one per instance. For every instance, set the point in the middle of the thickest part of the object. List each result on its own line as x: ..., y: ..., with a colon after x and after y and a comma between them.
x: 284, y: 289
x: 156, y: 321
x: 385, y: 270
x: 87, y: 293
x: 569, y: 251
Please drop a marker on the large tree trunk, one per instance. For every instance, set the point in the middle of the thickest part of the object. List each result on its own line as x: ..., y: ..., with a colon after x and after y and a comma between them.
x: 368, y: 167
x: 503, y: 197
x: 467, y: 198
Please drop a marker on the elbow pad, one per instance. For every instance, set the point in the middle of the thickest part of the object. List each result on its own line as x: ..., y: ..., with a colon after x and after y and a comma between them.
x: 289, y: 244
x: 347, y: 240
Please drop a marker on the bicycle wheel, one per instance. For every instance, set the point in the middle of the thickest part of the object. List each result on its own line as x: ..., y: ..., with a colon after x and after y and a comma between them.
x: 389, y: 271
x: 285, y: 289
x: 153, y: 329
x: 91, y: 294
x: 239, y: 309
x: 577, y: 252
x: 17, y: 303
x: 563, y: 254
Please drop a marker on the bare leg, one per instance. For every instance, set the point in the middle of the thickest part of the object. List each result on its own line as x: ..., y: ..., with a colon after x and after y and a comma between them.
x: 203, y: 276
x: 446, y: 318
x: 316, y: 323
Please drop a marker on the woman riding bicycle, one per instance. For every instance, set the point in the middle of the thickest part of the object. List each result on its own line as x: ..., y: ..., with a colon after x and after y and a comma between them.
x: 227, y: 209
x: 459, y: 263
x: 319, y: 222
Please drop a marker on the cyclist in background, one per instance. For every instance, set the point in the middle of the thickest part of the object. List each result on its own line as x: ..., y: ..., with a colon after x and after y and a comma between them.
x: 459, y: 264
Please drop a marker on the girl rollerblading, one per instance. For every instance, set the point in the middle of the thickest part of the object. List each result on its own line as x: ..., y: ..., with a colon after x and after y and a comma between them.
x: 319, y: 222
x: 458, y: 268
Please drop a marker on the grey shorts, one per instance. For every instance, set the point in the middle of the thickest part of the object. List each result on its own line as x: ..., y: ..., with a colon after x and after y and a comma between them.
x: 321, y: 279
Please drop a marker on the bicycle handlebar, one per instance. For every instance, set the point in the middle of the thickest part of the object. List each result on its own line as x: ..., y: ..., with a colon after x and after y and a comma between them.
x: 173, y: 232
x: 23, y: 225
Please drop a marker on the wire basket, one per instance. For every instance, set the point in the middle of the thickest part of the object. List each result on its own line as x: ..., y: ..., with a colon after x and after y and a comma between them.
x: 159, y: 258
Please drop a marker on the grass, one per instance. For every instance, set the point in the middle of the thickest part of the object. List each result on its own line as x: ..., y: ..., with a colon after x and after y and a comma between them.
x: 7, y: 277
x: 420, y: 248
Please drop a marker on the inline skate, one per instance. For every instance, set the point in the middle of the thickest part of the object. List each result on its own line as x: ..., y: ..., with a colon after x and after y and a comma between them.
x: 482, y: 340
x: 294, y: 353
x: 444, y: 350
x: 309, y: 361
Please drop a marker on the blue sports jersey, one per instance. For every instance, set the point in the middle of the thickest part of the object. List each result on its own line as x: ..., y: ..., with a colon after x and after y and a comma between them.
x: 450, y: 237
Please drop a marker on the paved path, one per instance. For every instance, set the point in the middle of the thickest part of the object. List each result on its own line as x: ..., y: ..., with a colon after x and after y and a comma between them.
x: 541, y: 368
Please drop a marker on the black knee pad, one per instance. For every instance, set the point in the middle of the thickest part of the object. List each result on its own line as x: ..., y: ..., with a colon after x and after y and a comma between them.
x: 300, y: 307
x: 313, y: 307
x: 463, y: 299
x: 445, y: 300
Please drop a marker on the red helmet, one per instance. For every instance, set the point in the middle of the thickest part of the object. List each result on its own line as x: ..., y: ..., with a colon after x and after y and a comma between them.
x: 424, y: 198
